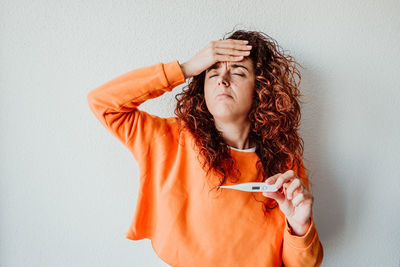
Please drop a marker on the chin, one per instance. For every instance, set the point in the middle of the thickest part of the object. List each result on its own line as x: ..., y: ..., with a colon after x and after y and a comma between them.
x: 224, y: 117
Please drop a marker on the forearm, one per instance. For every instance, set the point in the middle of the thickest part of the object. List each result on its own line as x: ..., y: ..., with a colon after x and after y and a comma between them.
x: 115, y: 102
x: 129, y: 90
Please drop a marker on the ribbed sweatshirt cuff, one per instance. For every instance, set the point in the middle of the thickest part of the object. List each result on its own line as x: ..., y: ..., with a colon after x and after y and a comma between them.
x: 173, y: 73
x: 300, y: 242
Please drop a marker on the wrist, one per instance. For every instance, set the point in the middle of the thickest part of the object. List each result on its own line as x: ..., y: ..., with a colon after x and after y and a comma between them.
x: 299, y: 229
x: 184, y: 70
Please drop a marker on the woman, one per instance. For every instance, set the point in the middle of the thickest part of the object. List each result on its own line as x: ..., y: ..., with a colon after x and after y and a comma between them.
x: 236, y: 122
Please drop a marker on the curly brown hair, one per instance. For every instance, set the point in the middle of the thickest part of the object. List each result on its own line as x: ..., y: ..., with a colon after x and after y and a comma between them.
x: 274, y: 115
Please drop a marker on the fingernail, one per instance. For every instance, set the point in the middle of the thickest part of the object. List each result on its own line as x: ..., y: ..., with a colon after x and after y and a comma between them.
x: 245, y: 41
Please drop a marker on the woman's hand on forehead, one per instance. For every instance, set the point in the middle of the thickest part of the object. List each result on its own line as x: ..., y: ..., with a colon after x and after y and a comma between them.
x: 224, y: 51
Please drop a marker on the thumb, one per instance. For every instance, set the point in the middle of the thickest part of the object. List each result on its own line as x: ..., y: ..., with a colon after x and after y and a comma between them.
x: 278, y: 196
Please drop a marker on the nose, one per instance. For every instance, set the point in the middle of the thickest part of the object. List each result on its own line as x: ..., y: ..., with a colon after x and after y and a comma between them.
x: 223, y: 79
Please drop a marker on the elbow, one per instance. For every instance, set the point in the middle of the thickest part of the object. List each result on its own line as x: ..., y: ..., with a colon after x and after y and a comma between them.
x: 89, y: 97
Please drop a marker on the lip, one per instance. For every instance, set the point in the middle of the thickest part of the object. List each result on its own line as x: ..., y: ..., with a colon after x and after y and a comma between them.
x: 224, y: 95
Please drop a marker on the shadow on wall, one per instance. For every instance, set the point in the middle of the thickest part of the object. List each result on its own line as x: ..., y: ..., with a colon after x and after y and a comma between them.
x: 330, y: 202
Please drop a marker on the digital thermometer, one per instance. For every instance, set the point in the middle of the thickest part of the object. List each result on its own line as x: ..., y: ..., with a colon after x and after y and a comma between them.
x: 251, y: 187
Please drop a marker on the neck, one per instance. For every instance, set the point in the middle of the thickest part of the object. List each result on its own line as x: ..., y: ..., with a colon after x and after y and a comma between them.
x: 235, y: 134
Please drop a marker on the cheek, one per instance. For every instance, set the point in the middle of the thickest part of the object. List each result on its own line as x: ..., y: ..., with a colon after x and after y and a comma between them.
x: 209, y: 86
x: 208, y: 83
x: 248, y: 91
x: 248, y: 100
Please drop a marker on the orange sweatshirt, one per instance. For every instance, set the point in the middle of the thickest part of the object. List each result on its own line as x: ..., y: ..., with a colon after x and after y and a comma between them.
x: 188, y: 223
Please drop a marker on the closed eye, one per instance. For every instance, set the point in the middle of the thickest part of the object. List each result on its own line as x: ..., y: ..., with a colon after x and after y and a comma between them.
x: 233, y: 74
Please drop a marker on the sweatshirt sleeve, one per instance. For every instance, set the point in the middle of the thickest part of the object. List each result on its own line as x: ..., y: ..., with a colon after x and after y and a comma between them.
x: 303, y: 250
x: 115, y: 104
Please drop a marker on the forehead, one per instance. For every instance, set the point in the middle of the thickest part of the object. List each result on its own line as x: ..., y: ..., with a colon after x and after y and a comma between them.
x: 245, y: 65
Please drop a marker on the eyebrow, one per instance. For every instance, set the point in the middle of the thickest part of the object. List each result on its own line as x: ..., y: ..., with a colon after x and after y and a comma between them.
x: 218, y: 65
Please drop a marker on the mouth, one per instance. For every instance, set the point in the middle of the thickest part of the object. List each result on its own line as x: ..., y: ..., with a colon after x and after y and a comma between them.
x: 224, y: 96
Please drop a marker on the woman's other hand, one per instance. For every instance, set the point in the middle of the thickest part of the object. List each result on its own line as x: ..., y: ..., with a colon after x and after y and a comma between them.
x: 214, y: 51
x: 294, y: 200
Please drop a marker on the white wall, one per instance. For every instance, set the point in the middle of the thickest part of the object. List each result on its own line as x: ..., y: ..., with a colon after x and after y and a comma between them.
x: 68, y: 187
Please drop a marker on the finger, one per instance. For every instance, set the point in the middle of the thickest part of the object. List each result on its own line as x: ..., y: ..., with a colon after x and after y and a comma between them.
x: 308, y: 198
x: 284, y: 178
x: 230, y: 43
x: 284, y: 187
x: 233, y: 41
x: 225, y: 51
x: 272, y: 179
x: 228, y: 58
x: 294, y: 185
x: 298, y: 199
x: 298, y: 191
x: 279, y: 196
